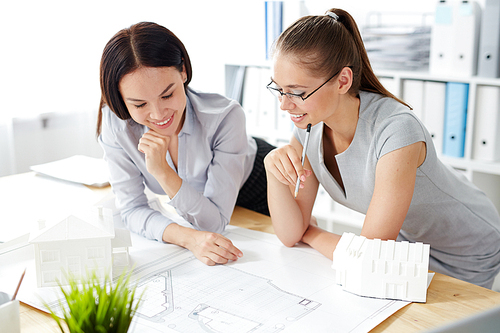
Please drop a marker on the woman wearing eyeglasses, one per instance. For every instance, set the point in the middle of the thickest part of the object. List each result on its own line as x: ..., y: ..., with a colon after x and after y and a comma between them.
x: 158, y: 133
x: 371, y: 154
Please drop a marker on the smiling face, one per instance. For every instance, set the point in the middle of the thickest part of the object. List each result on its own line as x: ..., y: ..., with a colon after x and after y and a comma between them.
x: 155, y: 97
x: 289, y: 77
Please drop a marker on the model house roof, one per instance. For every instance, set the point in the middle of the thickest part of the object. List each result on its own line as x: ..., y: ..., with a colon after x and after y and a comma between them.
x: 94, y: 222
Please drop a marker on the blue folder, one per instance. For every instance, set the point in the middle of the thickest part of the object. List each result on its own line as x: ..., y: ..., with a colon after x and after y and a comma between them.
x: 274, y: 23
x: 455, y: 119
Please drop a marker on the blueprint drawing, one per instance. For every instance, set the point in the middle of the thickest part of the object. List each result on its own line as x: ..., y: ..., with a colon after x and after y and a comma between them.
x: 272, y: 288
x: 190, y: 297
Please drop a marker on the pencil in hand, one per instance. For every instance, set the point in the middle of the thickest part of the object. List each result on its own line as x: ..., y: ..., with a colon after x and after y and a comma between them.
x: 308, y: 133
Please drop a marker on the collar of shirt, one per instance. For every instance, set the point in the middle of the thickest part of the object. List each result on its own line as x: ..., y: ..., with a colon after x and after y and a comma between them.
x: 188, y: 126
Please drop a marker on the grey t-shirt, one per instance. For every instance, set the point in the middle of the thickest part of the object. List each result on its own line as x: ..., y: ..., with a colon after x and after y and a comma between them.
x: 447, y: 211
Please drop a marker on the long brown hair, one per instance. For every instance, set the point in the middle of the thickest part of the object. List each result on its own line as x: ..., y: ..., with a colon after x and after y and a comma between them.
x: 144, y: 44
x: 324, y: 44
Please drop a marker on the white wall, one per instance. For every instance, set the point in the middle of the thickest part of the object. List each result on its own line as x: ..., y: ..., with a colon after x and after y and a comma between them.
x: 51, y: 49
x: 50, y: 52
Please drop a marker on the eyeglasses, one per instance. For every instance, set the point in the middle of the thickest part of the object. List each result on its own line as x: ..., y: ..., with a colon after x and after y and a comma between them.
x: 296, y: 98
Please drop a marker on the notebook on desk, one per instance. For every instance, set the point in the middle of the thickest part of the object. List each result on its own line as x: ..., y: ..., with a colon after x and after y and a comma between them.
x: 482, y: 322
x: 78, y: 169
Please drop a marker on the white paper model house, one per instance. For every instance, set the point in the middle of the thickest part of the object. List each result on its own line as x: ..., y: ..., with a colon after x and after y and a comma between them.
x: 76, y: 245
x: 382, y: 269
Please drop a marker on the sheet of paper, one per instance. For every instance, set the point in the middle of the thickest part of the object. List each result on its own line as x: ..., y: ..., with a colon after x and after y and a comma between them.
x: 78, y: 169
x: 27, y: 198
x: 272, y: 288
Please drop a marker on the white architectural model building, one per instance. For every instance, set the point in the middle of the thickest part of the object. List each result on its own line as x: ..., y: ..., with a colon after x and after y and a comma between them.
x: 382, y: 269
x: 76, y: 245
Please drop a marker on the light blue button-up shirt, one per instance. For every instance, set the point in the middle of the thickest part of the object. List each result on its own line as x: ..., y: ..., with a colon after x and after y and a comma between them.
x: 215, y: 159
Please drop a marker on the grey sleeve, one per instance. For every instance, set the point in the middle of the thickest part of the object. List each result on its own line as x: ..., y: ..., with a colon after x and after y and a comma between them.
x: 398, y: 131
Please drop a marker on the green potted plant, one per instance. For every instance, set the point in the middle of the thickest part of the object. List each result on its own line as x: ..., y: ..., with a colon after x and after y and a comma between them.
x: 96, y: 306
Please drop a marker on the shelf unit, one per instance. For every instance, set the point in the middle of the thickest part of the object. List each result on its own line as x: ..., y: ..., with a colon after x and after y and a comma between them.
x: 337, y: 218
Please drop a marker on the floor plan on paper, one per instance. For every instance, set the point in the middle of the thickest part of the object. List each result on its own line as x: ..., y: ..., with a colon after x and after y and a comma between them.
x: 272, y: 288
x: 188, y: 297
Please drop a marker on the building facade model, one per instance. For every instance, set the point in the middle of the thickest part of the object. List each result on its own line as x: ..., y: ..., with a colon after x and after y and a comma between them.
x: 382, y: 269
x: 76, y: 245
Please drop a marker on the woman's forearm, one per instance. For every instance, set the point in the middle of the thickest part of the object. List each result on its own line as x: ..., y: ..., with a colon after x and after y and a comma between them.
x: 209, y: 247
x: 286, y: 215
x: 321, y: 240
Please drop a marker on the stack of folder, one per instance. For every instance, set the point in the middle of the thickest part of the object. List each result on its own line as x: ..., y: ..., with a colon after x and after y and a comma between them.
x: 398, y: 41
x: 398, y: 47
x: 465, y: 39
x: 442, y: 107
x: 455, y: 38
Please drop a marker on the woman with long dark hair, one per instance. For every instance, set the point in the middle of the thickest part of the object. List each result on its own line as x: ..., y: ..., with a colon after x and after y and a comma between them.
x: 158, y: 133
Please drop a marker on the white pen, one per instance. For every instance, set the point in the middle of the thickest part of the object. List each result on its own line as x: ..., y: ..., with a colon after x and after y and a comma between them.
x: 308, y: 132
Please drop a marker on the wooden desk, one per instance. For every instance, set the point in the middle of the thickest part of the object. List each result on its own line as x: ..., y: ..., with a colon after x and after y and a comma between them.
x: 448, y: 299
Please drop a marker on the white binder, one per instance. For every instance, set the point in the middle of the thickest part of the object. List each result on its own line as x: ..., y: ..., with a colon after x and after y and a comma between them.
x: 466, y: 27
x: 251, y: 97
x: 267, y: 103
x: 434, y: 106
x: 455, y: 38
x: 440, y: 61
x: 413, y: 94
x: 489, y: 42
x: 486, y: 143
